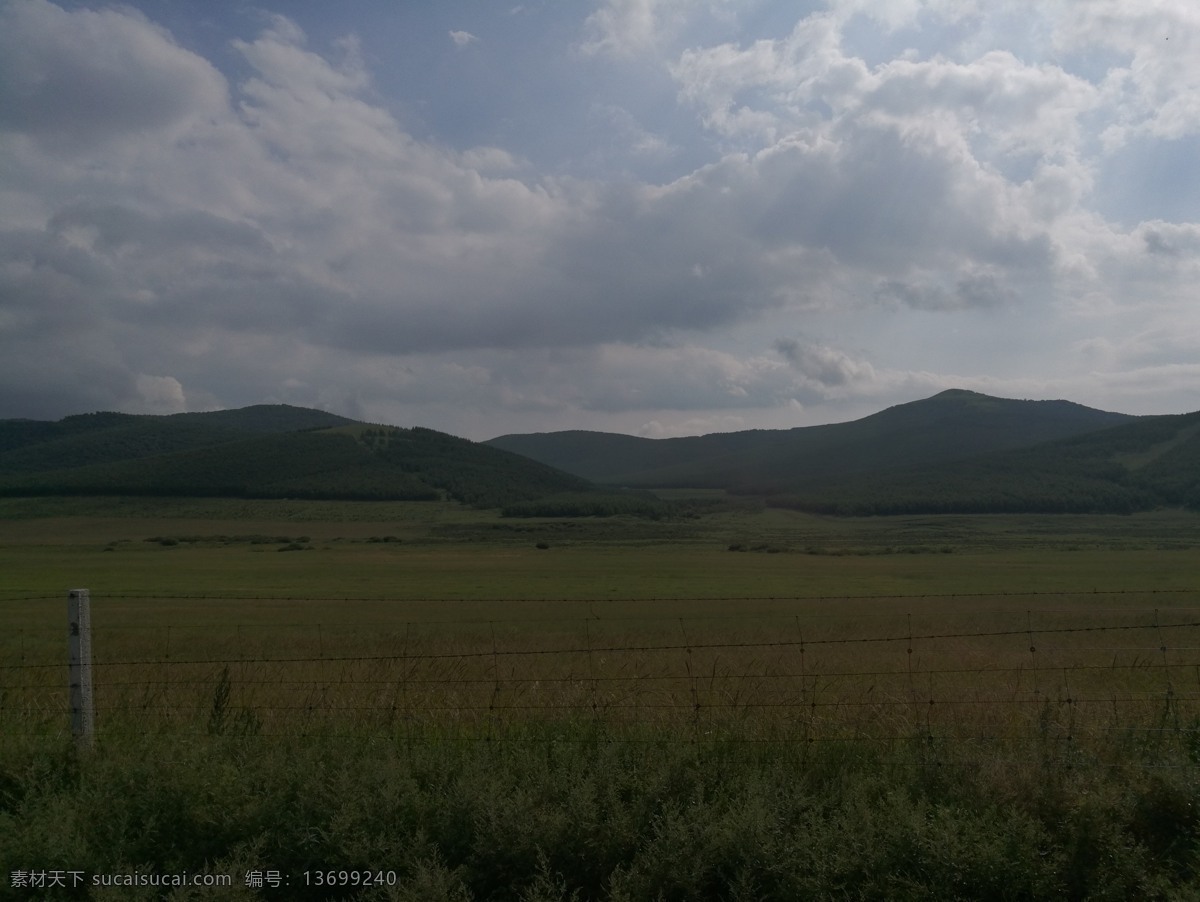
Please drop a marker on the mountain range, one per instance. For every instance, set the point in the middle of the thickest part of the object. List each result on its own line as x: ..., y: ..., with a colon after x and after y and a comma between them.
x: 953, y: 425
x: 956, y: 451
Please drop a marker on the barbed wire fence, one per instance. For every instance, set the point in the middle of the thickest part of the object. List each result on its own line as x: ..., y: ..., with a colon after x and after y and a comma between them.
x: 1055, y: 681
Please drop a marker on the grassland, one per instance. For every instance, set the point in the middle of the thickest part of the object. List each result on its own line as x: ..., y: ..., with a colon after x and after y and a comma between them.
x: 918, y: 707
x: 446, y: 550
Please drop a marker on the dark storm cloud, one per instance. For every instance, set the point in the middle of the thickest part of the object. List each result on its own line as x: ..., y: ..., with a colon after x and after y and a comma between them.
x: 121, y: 229
x: 827, y: 367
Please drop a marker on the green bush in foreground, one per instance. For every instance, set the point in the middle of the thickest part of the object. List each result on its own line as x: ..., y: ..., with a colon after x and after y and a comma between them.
x: 562, y: 816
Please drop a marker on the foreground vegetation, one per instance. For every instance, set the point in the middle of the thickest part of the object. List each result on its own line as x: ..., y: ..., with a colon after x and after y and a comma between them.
x: 568, y: 816
x: 731, y: 702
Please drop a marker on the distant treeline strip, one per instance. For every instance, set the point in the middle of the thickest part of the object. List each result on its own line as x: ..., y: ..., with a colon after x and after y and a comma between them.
x: 594, y: 504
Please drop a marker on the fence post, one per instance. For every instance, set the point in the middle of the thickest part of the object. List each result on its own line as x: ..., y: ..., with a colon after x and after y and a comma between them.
x: 79, y: 648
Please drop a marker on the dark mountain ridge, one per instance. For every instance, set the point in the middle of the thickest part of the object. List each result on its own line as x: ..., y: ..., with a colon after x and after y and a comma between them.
x: 953, y: 425
x: 106, y: 437
x: 958, y: 451
x: 266, y: 451
x: 1149, y: 463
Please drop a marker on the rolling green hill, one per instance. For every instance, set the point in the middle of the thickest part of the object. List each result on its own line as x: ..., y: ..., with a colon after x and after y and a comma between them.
x: 264, y: 452
x: 953, y: 425
x: 95, y: 438
x: 958, y: 452
x: 1148, y: 463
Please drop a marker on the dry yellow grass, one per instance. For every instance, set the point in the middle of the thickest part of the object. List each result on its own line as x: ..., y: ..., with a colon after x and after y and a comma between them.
x: 980, y: 671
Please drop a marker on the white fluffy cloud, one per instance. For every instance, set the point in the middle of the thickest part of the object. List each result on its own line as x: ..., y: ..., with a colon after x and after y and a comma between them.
x: 75, y: 81
x: 628, y: 27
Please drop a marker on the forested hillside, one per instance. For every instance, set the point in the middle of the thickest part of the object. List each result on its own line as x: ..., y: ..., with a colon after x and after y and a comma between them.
x: 953, y: 425
x: 956, y: 452
x: 93, y: 438
x: 264, y: 452
x: 1149, y: 463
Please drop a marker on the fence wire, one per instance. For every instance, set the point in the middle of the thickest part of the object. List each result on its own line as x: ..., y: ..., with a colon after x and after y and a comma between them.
x: 1055, y: 680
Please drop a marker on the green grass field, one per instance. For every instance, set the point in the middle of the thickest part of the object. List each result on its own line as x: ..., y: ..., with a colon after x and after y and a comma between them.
x: 918, y: 707
x: 447, y: 551
x: 344, y: 602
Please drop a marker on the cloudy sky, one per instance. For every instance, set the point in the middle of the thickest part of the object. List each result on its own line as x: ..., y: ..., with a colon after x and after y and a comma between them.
x: 659, y: 217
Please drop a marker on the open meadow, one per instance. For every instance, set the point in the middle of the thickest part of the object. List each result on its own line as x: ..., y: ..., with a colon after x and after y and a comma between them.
x: 735, y: 702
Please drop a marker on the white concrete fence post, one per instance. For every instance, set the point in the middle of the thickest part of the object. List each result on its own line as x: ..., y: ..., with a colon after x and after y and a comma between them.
x: 79, y: 647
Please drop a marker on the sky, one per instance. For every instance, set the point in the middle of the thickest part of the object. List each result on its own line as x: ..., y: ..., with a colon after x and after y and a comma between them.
x: 656, y: 217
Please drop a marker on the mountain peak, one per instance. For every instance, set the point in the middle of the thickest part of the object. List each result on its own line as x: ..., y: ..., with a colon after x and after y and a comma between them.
x: 954, y: 424
x: 952, y: 393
